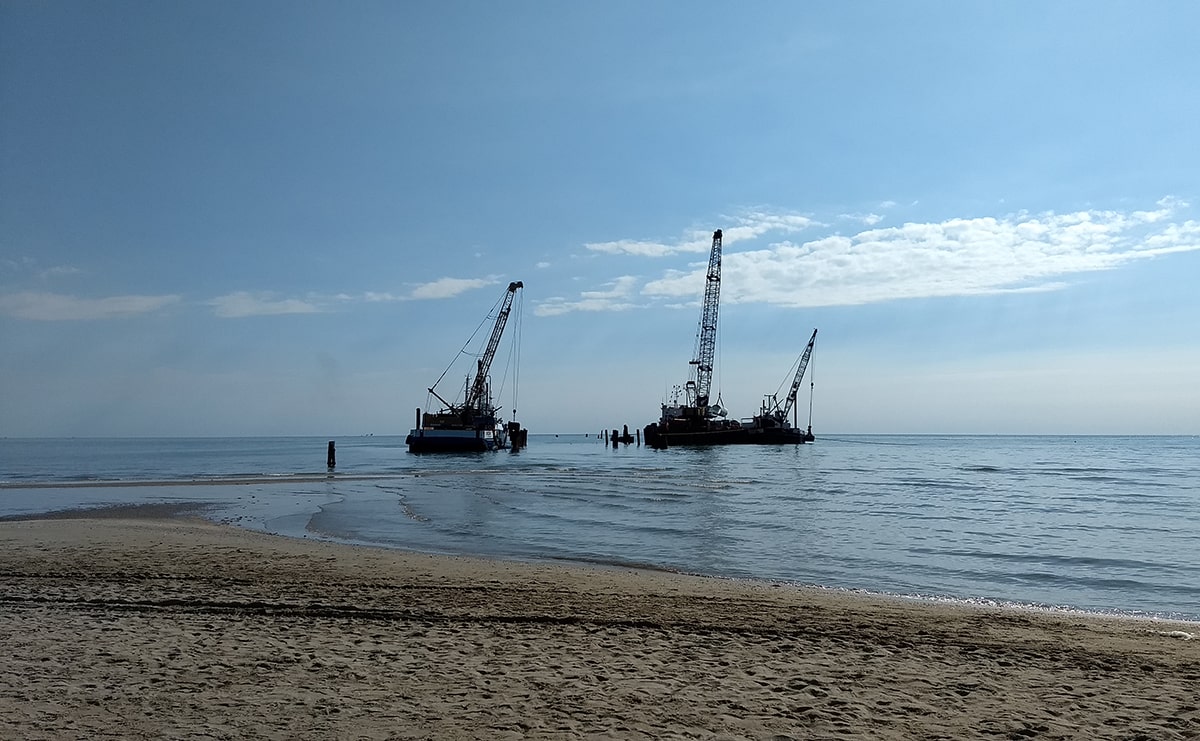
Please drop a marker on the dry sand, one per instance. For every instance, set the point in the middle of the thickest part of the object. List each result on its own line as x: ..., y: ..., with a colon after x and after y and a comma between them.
x: 123, y: 627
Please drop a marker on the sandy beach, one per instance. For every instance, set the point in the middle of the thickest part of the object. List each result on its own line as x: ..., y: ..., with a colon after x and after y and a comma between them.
x: 139, y: 624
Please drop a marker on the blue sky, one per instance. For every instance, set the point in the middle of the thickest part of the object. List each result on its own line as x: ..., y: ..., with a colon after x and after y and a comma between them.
x: 223, y: 218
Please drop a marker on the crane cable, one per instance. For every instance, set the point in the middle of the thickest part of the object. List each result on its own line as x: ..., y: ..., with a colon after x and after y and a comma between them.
x: 515, y: 354
x: 489, y: 318
x: 513, y: 358
x: 813, y: 384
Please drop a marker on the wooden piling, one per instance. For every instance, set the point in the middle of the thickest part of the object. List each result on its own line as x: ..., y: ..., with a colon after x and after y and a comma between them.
x: 331, y: 456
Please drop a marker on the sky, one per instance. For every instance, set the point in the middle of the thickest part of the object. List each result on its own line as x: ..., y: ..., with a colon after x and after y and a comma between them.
x: 278, y: 218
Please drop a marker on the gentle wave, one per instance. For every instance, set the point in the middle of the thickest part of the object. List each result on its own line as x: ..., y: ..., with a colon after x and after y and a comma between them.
x: 1099, y: 524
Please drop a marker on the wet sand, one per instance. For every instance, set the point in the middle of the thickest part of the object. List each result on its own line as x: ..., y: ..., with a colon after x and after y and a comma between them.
x: 141, y: 625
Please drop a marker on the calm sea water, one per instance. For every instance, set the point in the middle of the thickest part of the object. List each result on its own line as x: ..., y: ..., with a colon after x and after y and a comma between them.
x: 1101, y: 524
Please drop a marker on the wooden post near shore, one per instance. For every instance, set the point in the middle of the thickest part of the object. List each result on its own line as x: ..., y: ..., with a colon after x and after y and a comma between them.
x: 621, y: 436
x: 331, y: 456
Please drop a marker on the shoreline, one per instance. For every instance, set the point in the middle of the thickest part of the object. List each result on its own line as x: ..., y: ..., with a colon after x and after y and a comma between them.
x: 197, y: 510
x: 158, y: 626
x: 298, y: 478
x: 926, y: 524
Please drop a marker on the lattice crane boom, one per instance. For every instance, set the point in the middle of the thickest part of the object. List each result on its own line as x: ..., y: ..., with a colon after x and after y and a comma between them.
x: 791, y: 397
x: 479, y: 385
x: 706, y: 337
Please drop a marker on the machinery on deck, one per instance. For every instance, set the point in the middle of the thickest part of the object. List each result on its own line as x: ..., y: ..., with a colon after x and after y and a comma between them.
x: 772, y: 414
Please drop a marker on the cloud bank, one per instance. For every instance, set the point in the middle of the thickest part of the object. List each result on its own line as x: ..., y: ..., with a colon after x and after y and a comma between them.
x: 50, y: 307
x: 748, y: 226
x: 617, y: 295
x: 448, y: 287
x: 41, y: 306
x: 1021, y: 252
x: 243, y: 304
x: 957, y: 257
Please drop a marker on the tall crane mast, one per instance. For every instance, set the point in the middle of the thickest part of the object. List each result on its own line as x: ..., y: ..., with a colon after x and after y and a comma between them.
x: 791, y: 397
x: 706, y: 336
x: 478, y: 390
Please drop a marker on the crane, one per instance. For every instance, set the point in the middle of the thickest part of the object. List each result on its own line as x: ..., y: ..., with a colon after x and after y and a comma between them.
x: 479, y: 386
x: 477, y: 393
x: 706, y: 335
x: 782, y: 414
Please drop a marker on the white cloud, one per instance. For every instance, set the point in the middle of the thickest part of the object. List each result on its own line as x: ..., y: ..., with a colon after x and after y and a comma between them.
x: 543, y: 265
x: 372, y: 297
x: 29, y: 266
x: 243, y: 304
x: 956, y: 257
x: 1174, y: 238
x: 633, y: 247
x: 449, y: 287
x: 868, y: 219
x: 679, y: 283
x: 749, y: 225
x: 17, y: 264
x: 755, y: 224
x: 616, y: 297
x: 57, y: 307
x: 58, y: 270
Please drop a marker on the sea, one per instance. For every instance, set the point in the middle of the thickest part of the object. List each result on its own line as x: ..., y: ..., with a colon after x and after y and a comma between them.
x: 1094, y: 524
